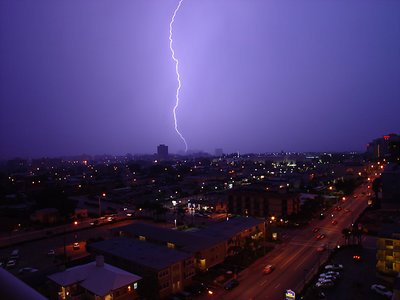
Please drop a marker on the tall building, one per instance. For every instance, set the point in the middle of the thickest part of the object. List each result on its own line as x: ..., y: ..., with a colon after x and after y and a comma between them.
x: 384, y: 147
x: 162, y: 151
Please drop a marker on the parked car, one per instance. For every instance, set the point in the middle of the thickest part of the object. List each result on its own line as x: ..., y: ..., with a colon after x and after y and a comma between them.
x: 327, y: 283
x: 328, y: 277
x: 334, y: 267
x: 231, y: 284
x: 197, y: 288
x: 11, y: 263
x: 382, y: 290
x: 27, y: 270
x: 330, y: 273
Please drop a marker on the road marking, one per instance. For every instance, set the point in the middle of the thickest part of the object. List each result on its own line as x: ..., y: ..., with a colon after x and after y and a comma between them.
x: 275, y: 287
x: 263, y: 283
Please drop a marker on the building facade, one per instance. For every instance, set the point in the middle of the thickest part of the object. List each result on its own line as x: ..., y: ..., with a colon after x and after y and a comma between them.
x: 261, y: 203
x: 388, y: 254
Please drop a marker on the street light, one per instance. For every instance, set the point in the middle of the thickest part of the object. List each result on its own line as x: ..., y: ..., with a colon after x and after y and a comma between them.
x: 104, y: 194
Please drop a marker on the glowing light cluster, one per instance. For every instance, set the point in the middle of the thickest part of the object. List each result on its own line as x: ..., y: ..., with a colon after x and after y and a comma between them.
x: 178, y: 77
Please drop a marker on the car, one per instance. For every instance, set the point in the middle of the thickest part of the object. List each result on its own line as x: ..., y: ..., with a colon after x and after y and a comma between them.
x: 316, y: 229
x: 357, y: 257
x: 328, y: 283
x: 320, y: 236
x: 347, y: 210
x: 76, y: 246
x: 327, y: 277
x: 182, y: 295
x: 321, y: 248
x: 27, y: 270
x: 382, y: 290
x: 334, y: 222
x: 51, y: 252
x: 197, y: 288
x: 11, y: 263
x: 231, y: 284
x: 330, y: 273
x: 268, y: 269
x: 324, y: 280
x: 334, y: 267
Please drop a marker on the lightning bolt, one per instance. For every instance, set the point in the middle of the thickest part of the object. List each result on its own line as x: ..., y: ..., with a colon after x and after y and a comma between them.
x: 178, y: 77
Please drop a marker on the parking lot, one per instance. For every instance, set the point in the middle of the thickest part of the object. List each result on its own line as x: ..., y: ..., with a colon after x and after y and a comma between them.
x: 356, y: 278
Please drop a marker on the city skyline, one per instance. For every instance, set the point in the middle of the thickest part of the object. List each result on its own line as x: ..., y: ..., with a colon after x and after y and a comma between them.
x: 256, y: 77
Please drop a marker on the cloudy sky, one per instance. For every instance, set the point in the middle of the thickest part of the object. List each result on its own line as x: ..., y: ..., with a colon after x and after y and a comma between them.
x: 97, y: 76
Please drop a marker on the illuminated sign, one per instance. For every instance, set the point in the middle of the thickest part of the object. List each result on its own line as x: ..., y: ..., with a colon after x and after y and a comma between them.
x: 290, y: 295
x: 386, y: 137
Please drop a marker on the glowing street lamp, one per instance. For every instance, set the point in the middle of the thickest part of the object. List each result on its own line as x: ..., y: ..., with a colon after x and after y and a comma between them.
x: 102, y: 195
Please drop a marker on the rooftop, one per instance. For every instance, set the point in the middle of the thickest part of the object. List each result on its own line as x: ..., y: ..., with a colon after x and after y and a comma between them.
x: 228, y: 228
x: 184, y: 241
x: 141, y: 253
x: 100, y: 280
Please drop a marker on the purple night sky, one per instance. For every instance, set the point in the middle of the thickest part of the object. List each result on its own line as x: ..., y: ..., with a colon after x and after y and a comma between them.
x: 97, y: 76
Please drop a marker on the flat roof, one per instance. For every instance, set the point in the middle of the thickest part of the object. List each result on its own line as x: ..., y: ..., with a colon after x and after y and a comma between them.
x: 184, y: 241
x: 141, y: 252
x: 100, y: 280
x: 228, y: 228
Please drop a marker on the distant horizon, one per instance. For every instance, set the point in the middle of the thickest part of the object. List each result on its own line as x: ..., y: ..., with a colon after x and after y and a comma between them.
x: 212, y: 154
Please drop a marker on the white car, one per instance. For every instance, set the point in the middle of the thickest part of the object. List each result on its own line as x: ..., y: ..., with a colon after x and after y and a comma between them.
x: 327, y: 277
x: 327, y: 283
x: 330, y: 273
x: 380, y: 289
x: 334, y: 267
x: 11, y: 263
x: 27, y: 270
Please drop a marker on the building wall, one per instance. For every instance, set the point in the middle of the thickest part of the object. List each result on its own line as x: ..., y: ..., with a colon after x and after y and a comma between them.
x: 210, y: 257
x: 169, y: 280
x: 388, y: 255
x: 260, y: 204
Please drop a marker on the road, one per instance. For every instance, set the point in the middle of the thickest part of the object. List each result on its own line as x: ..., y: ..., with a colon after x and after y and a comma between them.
x: 296, y: 258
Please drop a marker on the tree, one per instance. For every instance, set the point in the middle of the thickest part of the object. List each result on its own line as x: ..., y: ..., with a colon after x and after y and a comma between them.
x: 346, y: 234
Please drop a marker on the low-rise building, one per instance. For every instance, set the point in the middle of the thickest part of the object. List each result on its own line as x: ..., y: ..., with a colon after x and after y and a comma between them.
x: 207, y: 251
x: 164, y: 271
x: 236, y: 232
x: 96, y: 280
x: 46, y: 216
